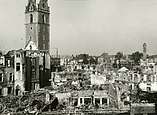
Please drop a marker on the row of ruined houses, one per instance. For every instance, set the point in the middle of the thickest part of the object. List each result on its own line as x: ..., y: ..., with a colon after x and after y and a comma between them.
x: 24, y: 71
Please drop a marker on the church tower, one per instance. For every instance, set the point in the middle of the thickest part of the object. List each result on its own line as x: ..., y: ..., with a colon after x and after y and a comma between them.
x: 37, y: 24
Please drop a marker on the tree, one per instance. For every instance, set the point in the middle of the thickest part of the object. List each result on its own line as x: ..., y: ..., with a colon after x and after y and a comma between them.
x: 84, y: 57
x: 118, y: 57
x: 92, y: 60
x: 136, y: 56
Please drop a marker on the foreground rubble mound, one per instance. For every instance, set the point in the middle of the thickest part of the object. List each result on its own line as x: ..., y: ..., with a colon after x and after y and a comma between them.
x: 38, y: 101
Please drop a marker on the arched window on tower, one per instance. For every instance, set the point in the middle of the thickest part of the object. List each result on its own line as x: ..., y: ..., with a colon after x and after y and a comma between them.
x: 44, y: 47
x: 31, y: 18
x: 43, y: 5
x: 44, y: 18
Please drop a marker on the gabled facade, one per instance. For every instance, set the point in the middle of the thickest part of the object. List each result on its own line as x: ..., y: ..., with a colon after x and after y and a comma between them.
x: 31, y: 46
x: 6, y: 75
x: 37, y: 69
x: 19, y: 72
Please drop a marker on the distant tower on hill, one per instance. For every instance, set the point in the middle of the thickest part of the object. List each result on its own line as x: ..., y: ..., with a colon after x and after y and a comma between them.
x: 37, y: 24
x: 144, y: 51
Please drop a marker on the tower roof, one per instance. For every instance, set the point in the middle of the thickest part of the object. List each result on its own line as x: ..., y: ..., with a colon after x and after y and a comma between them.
x: 33, y: 5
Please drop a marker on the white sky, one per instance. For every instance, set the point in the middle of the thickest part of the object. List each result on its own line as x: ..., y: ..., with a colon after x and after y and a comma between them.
x: 87, y: 26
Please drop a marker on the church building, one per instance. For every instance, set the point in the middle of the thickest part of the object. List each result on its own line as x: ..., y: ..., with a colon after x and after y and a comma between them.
x: 37, y: 57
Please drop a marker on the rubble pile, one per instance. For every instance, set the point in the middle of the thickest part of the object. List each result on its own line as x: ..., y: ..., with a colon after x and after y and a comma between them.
x: 28, y: 102
x: 9, y: 103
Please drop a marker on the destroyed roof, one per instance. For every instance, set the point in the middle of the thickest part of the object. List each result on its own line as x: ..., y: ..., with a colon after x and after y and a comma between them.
x: 98, y: 79
x: 153, y: 56
x: 83, y: 93
x: 89, y: 93
x: 123, y: 69
x: 99, y: 93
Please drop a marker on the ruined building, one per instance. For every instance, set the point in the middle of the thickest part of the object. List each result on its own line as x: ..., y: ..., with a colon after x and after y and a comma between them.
x: 28, y: 69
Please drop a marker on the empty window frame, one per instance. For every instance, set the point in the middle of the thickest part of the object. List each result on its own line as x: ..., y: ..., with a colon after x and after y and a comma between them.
x: 11, y: 77
x: 31, y: 18
x: 17, y: 66
x: 1, y: 77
